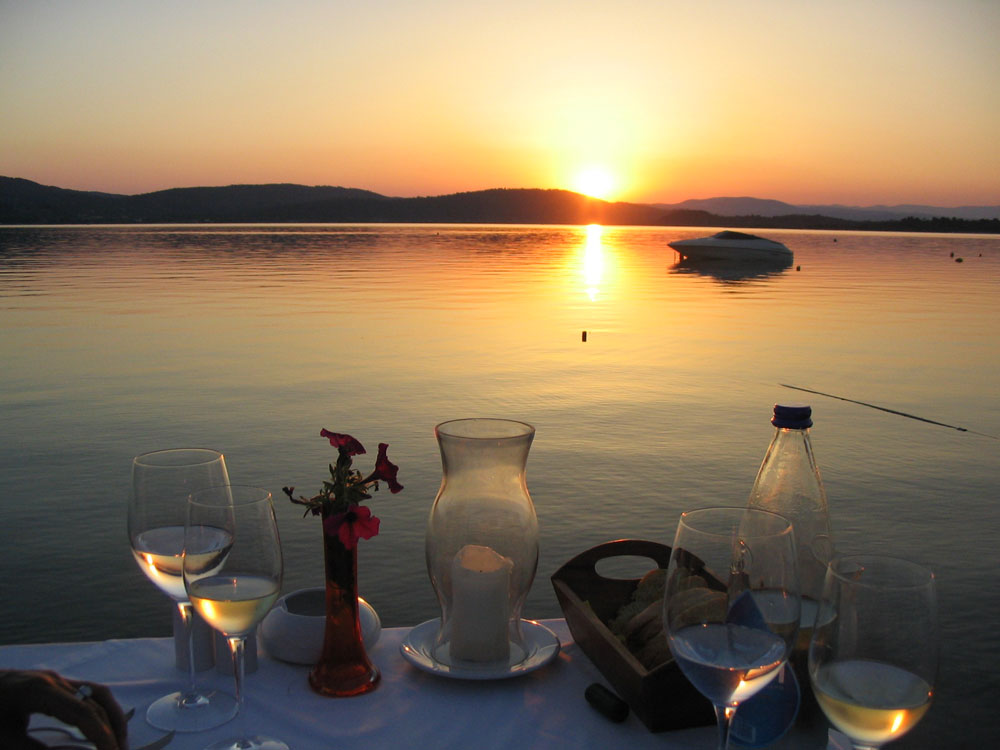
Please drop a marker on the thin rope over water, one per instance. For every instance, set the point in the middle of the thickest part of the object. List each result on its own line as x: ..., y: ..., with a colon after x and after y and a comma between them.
x: 890, y: 411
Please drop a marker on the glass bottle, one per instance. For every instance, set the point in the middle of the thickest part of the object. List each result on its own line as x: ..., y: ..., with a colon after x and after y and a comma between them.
x: 482, y: 541
x: 789, y: 483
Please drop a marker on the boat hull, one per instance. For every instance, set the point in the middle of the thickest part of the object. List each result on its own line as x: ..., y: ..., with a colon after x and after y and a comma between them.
x: 756, y: 249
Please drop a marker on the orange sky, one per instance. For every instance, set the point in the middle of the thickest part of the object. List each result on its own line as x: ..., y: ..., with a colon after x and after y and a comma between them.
x: 855, y: 102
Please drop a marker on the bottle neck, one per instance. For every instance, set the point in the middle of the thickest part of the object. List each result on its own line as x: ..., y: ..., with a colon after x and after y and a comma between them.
x: 789, y: 467
x: 792, y: 435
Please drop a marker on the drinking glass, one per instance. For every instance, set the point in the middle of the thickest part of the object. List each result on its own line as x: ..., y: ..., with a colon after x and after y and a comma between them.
x: 234, y: 592
x: 162, y: 482
x: 873, y: 657
x: 731, y: 603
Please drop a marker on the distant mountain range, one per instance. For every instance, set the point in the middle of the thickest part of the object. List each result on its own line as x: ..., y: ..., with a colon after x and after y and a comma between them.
x: 762, y: 207
x: 26, y: 202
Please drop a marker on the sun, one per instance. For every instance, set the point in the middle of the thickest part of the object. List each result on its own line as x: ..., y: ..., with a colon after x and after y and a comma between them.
x: 597, y: 182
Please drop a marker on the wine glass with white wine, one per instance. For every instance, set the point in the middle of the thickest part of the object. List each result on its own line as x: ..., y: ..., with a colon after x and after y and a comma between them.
x: 873, y: 660
x: 162, y: 482
x: 731, y: 604
x: 234, y: 596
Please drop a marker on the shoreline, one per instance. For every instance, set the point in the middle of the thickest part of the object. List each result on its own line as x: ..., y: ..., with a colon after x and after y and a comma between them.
x: 26, y: 203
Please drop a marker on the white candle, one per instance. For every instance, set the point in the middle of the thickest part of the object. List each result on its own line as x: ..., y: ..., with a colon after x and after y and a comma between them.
x: 480, y: 582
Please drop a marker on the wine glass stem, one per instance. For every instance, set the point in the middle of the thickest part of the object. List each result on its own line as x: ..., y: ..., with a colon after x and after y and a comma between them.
x: 187, y: 622
x: 237, y: 645
x: 724, y: 718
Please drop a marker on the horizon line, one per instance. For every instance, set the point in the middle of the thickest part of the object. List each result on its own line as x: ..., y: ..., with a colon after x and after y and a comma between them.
x: 498, y: 188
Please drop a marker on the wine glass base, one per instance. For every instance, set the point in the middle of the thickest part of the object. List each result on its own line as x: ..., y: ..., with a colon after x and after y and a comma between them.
x: 180, y: 712
x: 256, y: 742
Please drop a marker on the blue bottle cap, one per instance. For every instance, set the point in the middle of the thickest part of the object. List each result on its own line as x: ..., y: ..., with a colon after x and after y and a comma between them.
x: 792, y: 416
x: 764, y: 718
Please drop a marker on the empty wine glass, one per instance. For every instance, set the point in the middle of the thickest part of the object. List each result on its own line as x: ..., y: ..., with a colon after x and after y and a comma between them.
x: 873, y: 657
x: 233, y: 592
x: 162, y: 482
x: 731, y: 604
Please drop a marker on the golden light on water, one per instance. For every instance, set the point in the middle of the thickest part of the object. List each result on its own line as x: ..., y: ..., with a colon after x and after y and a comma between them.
x: 593, y: 261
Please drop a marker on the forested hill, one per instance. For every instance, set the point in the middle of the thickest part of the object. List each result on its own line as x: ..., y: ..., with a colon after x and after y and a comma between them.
x: 26, y: 202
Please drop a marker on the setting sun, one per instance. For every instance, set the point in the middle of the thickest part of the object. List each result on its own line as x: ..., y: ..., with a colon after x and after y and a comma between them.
x: 597, y: 182
x: 593, y: 101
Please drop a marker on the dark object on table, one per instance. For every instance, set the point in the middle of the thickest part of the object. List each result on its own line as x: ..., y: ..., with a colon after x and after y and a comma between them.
x: 606, y: 702
x: 661, y: 697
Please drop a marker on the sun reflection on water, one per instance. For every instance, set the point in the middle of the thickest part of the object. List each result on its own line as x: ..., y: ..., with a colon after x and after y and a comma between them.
x: 593, y: 261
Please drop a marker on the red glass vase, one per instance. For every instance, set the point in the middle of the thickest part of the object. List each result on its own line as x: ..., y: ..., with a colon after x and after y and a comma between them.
x: 344, y: 668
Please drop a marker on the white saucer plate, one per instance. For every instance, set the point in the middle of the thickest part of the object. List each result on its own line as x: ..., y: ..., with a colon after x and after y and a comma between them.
x: 541, y: 645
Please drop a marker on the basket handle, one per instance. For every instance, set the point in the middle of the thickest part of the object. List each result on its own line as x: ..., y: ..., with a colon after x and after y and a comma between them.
x: 587, y: 560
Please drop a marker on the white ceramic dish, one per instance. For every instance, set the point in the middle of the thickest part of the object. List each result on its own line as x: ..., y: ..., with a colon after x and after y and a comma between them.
x: 541, y: 645
x: 293, y: 630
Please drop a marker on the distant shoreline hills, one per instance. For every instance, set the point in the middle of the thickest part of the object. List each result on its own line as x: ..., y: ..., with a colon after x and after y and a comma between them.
x: 25, y: 202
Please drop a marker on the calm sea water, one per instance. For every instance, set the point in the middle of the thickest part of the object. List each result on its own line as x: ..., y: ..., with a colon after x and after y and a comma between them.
x: 119, y: 340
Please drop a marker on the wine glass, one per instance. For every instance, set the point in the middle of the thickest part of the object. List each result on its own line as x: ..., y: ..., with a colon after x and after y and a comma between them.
x: 731, y: 603
x: 234, y: 592
x: 873, y: 657
x: 162, y: 481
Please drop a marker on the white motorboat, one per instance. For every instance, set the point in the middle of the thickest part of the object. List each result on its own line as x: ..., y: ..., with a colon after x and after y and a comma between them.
x: 733, y: 246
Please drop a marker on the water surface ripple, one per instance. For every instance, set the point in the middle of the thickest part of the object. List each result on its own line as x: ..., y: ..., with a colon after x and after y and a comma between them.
x: 120, y: 340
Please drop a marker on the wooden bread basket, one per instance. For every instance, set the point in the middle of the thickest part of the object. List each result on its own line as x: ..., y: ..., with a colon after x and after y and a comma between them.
x: 661, y: 697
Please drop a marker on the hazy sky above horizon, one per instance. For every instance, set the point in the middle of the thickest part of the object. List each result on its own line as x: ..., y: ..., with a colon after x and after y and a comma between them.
x: 856, y: 102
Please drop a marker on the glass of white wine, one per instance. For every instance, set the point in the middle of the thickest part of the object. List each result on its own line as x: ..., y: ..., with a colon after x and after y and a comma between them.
x: 162, y: 482
x: 732, y: 603
x: 873, y: 657
x: 234, y: 596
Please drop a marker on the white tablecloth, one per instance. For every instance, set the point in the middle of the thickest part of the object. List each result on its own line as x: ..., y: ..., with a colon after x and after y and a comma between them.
x: 409, y: 709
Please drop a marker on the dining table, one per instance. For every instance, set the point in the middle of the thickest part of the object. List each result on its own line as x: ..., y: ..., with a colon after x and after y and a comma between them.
x: 410, y: 708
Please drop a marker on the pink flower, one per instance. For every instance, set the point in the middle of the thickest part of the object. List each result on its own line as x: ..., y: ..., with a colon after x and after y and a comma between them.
x: 386, y: 469
x: 343, y: 443
x: 357, y: 522
x: 339, y: 500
